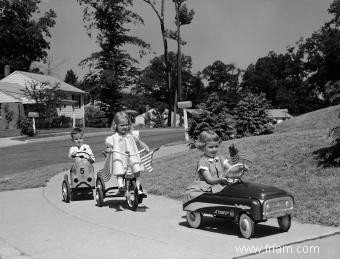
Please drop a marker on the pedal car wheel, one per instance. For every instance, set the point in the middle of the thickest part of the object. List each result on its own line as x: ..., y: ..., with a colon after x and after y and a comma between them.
x: 99, y: 197
x: 100, y: 184
x: 66, y: 191
x: 284, y: 222
x: 246, y: 226
x: 132, y: 196
x: 194, y: 219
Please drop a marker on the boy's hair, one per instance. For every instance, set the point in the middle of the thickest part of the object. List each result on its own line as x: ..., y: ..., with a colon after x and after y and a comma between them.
x: 77, y: 131
x: 119, y: 116
x: 206, y: 136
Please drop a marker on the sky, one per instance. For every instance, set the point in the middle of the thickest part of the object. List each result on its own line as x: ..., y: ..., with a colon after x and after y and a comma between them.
x: 233, y: 31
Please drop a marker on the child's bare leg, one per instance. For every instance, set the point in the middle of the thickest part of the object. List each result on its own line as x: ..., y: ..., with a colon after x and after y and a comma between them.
x: 120, y: 182
x: 140, y: 191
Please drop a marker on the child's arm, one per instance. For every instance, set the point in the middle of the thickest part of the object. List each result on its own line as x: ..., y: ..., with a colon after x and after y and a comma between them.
x: 108, y: 144
x: 89, y: 151
x: 212, y: 180
x: 143, y: 145
x: 137, y: 139
x: 72, y: 152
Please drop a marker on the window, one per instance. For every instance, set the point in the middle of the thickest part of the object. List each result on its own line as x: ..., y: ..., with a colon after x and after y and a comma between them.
x: 76, y: 98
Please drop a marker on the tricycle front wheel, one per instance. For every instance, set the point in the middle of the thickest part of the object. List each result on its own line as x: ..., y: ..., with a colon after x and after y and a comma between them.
x: 194, y: 219
x: 246, y: 226
x: 132, y: 196
x: 284, y: 222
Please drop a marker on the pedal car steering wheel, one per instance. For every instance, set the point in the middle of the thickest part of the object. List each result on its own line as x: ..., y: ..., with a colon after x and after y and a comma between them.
x: 236, y: 171
x: 88, y: 157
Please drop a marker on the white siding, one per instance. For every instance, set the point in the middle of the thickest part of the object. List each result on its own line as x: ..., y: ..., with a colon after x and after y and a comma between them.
x: 68, y: 111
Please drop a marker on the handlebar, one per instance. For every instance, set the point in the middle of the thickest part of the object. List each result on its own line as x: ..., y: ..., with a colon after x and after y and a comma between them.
x: 126, y: 153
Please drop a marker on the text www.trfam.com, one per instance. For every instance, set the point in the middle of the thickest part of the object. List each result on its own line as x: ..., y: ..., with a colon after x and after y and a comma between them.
x: 274, y: 249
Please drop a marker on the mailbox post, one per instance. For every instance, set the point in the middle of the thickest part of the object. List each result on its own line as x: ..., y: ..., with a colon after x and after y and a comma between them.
x: 33, y: 115
x: 184, y: 106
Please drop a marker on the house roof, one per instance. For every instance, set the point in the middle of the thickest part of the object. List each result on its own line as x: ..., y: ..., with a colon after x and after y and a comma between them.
x: 278, y: 113
x: 51, y: 80
x: 15, y: 91
x: 8, y: 98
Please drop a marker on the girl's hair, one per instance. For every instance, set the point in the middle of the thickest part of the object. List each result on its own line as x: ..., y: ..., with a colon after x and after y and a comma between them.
x: 206, y: 136
x: 119, y: 116
x: 77, y: 131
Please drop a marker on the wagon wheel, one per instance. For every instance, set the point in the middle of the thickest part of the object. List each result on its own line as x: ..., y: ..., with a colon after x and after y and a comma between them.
x: 246, y: 226
x: 132, y: 196
x: 284, y: 222
x: 194, y: 219
x: 99, y: 197
x: 66, y: 190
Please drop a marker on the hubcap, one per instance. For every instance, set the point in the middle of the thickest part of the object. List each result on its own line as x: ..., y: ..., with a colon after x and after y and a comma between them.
x: 192, y: 216
x: 245, y: 225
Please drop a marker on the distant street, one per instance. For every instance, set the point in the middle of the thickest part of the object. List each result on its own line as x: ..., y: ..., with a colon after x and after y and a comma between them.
x: 20, y: 158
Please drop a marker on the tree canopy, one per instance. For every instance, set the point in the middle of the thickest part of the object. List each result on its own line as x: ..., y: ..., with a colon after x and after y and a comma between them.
x: 22, y: 38
x: 112, y: 68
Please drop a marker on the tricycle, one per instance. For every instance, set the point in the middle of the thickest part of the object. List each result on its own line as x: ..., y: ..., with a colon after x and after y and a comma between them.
x: 244, y: 203
x: 130, y: 189
x: 81, y: 178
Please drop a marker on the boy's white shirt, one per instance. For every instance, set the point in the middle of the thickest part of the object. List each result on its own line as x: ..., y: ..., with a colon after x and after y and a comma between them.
x: 83, y: 148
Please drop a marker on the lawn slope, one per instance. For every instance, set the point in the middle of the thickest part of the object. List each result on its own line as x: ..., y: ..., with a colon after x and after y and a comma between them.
x: 286, y: 159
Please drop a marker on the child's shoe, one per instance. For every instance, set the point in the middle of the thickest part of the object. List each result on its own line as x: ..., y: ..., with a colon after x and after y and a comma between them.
x: 142, y: 194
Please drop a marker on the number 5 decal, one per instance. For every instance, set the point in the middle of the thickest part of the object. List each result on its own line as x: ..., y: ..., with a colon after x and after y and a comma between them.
x: 82, y: 170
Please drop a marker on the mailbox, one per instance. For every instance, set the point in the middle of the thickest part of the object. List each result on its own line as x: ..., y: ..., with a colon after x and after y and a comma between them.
x: 183, y: 105
x: 33, y: 114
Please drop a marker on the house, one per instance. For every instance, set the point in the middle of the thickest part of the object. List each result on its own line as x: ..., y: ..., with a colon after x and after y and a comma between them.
x: 278, y: 115
x: 12, y: 86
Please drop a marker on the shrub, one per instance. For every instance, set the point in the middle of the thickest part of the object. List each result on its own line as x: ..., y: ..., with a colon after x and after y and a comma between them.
x: 212, y: 115
x: 94, y: 117
x: 157, y: 119
x: 26, y: 127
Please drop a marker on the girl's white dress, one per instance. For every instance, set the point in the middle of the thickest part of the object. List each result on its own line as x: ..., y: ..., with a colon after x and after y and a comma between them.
x: 122, y: 144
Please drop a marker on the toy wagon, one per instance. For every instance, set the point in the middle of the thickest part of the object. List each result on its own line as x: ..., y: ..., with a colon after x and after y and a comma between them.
x: 81, y: 180
x: 244, y: 203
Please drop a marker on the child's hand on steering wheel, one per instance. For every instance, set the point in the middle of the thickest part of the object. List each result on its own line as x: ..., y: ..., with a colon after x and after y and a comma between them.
x: 224, y: 181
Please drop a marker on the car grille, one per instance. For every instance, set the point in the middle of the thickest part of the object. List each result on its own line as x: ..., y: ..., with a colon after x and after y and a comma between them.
x: 278, y: 207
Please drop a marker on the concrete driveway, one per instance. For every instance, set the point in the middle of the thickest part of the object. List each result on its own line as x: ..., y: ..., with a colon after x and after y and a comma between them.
x: 36, y: 223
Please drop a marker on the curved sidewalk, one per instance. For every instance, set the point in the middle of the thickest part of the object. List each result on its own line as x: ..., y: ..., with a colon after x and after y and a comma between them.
x: 35, y: 223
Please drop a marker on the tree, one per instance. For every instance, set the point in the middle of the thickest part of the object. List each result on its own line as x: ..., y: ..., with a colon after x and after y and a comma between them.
x: 46, y: 99
x: 251, y: 116
x: 183, y: 17
x: 161, y: 17
x: 282, y: 78
x: 71, y: 78
x: 23, y: 39
x: 111, y: 68
x: 224, y: 80
x: 152, y: 81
